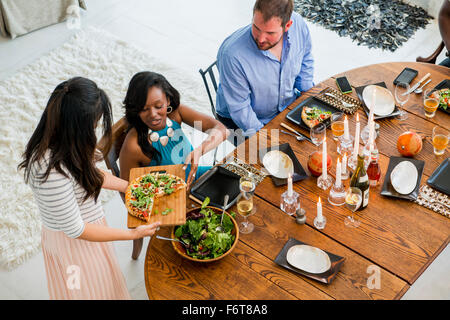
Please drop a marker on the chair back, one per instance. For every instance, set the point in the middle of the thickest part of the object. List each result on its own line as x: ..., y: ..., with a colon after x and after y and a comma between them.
x: 209, y: 73
x: 118, y: 136
x: 433, y: 57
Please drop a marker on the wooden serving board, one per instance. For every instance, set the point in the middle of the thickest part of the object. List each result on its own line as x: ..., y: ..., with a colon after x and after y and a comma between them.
x: 175, y: 201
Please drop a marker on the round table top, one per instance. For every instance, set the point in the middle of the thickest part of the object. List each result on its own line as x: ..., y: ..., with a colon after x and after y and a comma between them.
x: 400, y: 237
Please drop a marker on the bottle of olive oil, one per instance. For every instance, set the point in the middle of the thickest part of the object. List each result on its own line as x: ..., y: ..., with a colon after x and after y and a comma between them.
x: 360, y: 180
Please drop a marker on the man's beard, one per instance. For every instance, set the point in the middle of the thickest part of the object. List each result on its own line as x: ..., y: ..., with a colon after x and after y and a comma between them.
x: 269, y: 46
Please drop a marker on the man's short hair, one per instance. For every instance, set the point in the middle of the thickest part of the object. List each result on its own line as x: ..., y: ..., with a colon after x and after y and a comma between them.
x: 275, y: 8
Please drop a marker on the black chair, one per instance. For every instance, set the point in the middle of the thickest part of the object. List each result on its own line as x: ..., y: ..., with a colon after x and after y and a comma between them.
x: 235, y: 138
x: 434, y: 55
x: 212, y: 79
x: 118, y: 136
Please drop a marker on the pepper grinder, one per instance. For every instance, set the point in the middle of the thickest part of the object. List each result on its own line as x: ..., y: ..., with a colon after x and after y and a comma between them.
x: 300, y: 216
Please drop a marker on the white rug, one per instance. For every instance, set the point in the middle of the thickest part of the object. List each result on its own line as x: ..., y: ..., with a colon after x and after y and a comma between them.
x: 93, y: 54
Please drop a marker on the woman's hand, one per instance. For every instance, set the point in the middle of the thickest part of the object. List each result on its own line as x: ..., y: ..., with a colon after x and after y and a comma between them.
x: 145, y: 230
x: 192, y: 159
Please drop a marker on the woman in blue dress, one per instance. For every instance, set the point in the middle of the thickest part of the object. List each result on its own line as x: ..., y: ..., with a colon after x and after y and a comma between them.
x: 154, y: 114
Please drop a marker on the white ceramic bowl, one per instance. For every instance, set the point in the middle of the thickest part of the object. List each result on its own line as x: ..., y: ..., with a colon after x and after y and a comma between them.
x: 309, y: 259
x: 404, y: 177
x: 384, y: 100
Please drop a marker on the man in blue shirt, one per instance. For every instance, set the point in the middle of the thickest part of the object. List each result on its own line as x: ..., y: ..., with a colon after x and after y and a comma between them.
x: 261, y: 66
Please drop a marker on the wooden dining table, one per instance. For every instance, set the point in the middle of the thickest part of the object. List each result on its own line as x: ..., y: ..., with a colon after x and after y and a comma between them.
x: 395, y: 243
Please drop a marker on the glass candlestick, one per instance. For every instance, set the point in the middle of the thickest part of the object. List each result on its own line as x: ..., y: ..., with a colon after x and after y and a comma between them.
x: 320, y: 222
x: 365, y: 133
x: 345, y: 145
x: 290, y: 203
x: 337, y: 195
x: 324, y: 182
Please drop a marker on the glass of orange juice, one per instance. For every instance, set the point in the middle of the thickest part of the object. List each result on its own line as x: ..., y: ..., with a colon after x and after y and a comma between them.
x: 337, y: 125
x: 430, y: 102
x: 440, y: 140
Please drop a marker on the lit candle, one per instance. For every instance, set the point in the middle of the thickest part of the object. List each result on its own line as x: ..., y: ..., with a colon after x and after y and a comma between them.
x: 338, y: 173
x: 324, y: 158
x: 346, y: 132
x: 290, y: 191
x: 344, y: 164
x: 319, y: 211
x: 356, y: 146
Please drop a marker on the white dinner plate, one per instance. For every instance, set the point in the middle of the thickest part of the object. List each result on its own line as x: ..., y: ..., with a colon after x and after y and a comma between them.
x: 309, y: 259
x: 384, y: 100
x: 404, y: 177
x: 278, y: 163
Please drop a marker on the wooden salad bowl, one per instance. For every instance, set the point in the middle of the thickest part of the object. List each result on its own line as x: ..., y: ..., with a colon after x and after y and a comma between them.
x: 181, y: 250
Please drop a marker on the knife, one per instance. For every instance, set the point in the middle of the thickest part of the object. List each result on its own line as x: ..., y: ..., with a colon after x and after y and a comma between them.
x: 297, y: 133
x: 414, y: 87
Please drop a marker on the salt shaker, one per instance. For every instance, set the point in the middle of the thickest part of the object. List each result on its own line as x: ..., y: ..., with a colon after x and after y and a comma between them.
x: 300, y: 216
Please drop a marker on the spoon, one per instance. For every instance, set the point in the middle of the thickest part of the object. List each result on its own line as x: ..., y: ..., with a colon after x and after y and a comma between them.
x: 419, y: 90
x: 225, y: 202
x: 171, y: 239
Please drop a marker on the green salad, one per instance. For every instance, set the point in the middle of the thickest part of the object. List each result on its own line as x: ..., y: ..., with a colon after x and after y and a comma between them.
x: 200, y: 235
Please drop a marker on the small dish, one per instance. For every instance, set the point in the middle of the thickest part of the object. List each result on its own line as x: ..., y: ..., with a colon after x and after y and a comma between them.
x: 389, y: 191
x: 384, y: 100
x: 324, y: 277
x: 404, y: 177
x: 299, y: 172
x: 278, y: 163
x: 444, y: 84
x: 359, y: 92
x: 309, y: 259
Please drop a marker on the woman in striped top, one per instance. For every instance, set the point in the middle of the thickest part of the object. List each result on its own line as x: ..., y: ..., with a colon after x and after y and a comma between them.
x: 59, y: 165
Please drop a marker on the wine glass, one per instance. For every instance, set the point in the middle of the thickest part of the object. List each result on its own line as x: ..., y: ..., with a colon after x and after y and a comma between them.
x: 402, y: 96
x: 353, y: 200
x: 245, y: 206
x: 318, y: 133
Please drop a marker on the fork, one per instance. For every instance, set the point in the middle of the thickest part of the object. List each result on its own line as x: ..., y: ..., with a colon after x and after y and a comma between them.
x: 171, y: 239
x: 344, y: 103
x: 431, y: 200
x: 291, y: 134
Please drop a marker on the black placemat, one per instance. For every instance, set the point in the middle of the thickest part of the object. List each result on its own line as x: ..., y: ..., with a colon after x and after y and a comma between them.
x: 389, y: 191
x: 215, y: 184
x: 325, y: 277
x: 295, y: 115
x: 444, y: 84
x: 359, y: 92
x: 440, y: 178
x: 299, y: 172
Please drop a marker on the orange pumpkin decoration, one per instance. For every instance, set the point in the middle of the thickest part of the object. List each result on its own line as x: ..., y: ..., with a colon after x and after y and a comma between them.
x: 409, y: 144
x: 315, y: 163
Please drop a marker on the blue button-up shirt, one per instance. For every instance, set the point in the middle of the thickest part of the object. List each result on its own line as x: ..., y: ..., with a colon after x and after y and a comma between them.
x: 254, y: 86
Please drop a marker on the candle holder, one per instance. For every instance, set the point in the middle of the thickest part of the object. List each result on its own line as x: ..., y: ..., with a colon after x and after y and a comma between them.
x: 367, y: 153
x: 320, y: 223
x: 290, y: 203
x: 365, y: 133
x: 337, y: 195
x: 324, y: 183
x: 345, y: 145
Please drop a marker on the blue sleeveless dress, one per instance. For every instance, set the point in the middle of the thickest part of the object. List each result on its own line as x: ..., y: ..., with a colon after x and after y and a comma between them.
x: 176, y: 150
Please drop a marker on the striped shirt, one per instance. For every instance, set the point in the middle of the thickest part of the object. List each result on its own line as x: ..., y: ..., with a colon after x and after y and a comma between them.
x: 60, y: 200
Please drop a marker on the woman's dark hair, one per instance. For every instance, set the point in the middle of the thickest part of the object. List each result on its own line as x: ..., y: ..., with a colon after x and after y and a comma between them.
x: 67, y: 129
x: 135, y: 101
x: 275, y: 8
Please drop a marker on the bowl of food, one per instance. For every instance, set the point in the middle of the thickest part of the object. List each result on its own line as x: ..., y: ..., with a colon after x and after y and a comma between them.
x: 200, y: 239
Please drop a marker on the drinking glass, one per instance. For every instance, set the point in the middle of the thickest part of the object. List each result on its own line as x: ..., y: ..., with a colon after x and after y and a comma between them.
x: 318, y: 133
x: 245, y: 206
x: 440, y: 140
x: 402, y: 97
x: 337, y: 125
x: 353, y: 200
x: 430, y: 102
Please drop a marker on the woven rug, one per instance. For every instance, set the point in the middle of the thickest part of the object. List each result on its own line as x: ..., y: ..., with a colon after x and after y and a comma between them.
x: 91, y: 53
